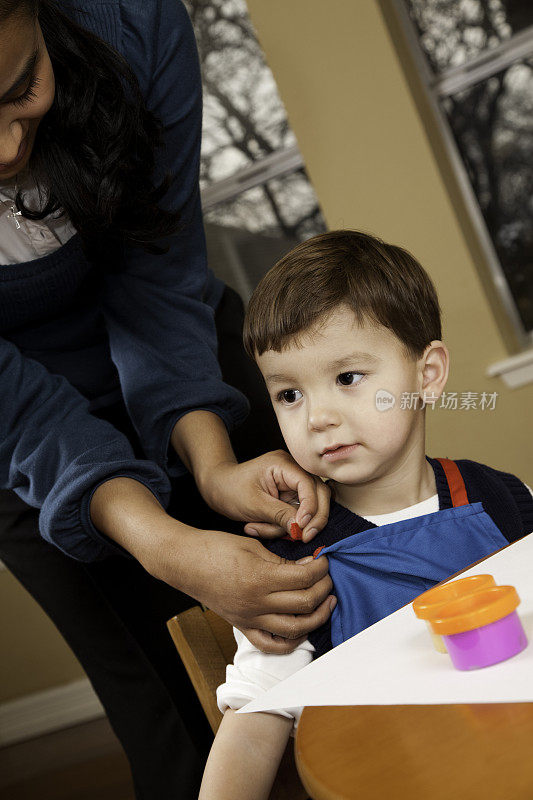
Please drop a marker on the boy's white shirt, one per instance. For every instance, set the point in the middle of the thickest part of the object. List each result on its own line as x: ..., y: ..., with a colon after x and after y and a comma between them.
x: 253, y: 672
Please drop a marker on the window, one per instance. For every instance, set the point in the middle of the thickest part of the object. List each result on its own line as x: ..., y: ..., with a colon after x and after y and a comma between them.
x: 475, y: 58
x: 256, y: 196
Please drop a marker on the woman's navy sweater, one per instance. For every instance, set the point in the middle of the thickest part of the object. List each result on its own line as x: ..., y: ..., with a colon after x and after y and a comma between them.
x: 77, y: 337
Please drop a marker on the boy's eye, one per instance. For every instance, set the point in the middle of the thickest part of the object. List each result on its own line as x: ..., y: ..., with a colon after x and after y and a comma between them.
x: 289, y: 396
x: 350, y: 378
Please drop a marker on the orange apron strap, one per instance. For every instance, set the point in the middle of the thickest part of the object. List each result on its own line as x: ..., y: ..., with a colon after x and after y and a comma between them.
x: 455, y: 482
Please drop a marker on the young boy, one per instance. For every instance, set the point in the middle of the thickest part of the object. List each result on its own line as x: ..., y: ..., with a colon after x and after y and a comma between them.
x: 343, y: 328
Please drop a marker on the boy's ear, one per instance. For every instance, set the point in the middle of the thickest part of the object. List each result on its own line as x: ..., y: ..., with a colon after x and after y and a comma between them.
x: 434, y: 369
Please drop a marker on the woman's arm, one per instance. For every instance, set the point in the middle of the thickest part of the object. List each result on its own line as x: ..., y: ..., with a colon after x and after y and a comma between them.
x: 255, y: 590
x: 245, y: 756
x: 53, y: 452
x: 161, y: 329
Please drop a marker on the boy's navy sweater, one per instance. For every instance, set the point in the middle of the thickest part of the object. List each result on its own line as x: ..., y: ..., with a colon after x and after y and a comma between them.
x: 504, y: 497
x: 76, y: 337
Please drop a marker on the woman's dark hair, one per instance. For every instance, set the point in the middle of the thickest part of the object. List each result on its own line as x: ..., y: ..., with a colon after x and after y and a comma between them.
x: 94, y: 152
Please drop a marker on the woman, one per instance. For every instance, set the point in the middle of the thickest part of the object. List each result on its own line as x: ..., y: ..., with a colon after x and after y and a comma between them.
x: 111, y: 388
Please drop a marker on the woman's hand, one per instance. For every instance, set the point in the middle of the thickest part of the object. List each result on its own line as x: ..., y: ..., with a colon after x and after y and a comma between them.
x: 258, y: 491
x: 274, y: 602
x: 253, y: 589
x: 263, y: 491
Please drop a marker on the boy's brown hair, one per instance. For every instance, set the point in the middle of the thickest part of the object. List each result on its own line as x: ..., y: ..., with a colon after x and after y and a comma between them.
x: 381, y: 283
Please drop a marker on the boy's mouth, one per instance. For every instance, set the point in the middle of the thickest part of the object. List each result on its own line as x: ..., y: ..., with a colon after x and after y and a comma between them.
x: 337, y: 451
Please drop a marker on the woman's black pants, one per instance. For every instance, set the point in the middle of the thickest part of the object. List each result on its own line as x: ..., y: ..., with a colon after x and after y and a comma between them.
x: 113, y: 614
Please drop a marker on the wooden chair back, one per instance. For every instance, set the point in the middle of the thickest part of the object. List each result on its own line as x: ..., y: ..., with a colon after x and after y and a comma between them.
x: 206, y: 644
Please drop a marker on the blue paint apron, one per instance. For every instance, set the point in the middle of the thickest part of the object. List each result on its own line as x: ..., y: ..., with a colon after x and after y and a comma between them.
x: 378, y: 571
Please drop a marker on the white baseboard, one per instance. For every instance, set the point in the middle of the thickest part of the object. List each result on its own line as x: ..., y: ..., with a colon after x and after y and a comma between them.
x: 48, y: 711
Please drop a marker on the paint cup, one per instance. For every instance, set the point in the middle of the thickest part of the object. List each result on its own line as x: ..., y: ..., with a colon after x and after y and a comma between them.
x: 481, y: 628
x: 426, y: 606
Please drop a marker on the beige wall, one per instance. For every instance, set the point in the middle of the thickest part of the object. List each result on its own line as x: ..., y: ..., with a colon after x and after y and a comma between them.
x: 34, y: 656
x: 372, y: 166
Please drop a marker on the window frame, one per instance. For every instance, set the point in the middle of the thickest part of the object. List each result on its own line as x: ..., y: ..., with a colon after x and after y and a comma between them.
x: 434, y: 87
x: 274, y: 165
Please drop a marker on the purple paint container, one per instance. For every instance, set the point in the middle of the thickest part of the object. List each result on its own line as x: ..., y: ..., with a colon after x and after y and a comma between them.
x: 482, y: 628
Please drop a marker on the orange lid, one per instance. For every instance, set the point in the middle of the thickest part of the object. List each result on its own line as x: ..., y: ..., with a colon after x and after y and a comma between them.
x: 475, y: 610
x: 426, y: 605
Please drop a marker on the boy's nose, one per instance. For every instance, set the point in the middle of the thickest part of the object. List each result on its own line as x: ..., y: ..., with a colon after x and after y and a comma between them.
x: 321, y: 418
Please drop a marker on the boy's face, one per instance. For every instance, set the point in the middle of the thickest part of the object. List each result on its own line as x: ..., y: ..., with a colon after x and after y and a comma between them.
x: 324, y: 396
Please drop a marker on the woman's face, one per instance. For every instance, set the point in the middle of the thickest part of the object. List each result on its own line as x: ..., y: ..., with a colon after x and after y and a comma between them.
x: 27, y: 90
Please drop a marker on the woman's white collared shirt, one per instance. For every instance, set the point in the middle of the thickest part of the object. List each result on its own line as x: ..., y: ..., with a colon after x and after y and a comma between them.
x: 34, y: 238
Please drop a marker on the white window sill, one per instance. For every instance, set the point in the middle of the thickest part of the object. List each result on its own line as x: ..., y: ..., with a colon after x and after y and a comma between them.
x: 515, y: 371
